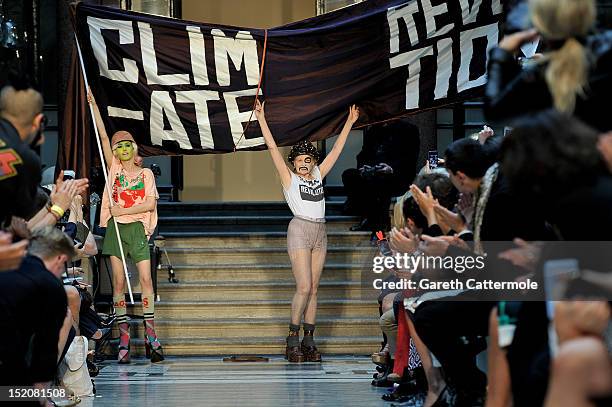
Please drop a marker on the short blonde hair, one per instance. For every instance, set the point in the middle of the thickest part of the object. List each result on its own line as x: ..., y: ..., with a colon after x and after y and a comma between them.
x: 399, y: 221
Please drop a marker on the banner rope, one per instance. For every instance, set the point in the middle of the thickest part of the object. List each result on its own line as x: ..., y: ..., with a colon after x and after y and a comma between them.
x: 261, y: 70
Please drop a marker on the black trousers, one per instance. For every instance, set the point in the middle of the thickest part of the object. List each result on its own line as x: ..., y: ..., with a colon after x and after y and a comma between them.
x: 528, y: 355
x: 444, y: 327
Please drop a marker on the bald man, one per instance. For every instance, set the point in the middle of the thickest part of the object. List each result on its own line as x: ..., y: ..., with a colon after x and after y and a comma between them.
x: 21, y: 125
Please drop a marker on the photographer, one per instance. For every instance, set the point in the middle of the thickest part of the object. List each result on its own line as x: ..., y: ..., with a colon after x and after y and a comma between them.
x: 385, y: 167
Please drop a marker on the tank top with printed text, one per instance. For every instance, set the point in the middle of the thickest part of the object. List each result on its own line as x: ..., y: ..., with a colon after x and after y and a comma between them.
x: 305, y: 197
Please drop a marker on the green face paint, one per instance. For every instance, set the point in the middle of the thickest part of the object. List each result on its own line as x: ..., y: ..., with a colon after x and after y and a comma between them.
x: 124, y: 150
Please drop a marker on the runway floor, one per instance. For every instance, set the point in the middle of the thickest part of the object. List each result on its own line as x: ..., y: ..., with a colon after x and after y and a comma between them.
x: 338, y: 381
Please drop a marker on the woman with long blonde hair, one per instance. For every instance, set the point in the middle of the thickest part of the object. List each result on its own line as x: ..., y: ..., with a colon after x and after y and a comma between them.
x: 573, y: 74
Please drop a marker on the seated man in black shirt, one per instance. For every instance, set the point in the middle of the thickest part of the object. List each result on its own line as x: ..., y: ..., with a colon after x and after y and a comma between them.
x: 33, y: 308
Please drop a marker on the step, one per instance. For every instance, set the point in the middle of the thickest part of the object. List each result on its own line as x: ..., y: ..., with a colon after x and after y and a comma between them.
x: 237, y: 208
x: 262, y: 327
x: 237, y: 308
x: 200, y: 223
x: 334, y: 345
x: 348, y: 255
x: 259, y: 290
x: 256, y: 239
x: 262, y: 272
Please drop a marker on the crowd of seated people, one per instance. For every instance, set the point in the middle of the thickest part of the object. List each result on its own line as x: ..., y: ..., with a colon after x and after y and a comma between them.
x: 555, y: 205
x: 535, y: 202
x: 44, y: 302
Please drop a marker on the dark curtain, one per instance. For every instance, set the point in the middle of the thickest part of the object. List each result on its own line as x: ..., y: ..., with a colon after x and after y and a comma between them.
x: 74, y: 143
x: 77, y: 149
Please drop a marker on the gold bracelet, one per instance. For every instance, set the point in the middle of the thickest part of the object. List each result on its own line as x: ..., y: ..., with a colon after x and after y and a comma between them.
x: 56, y: 209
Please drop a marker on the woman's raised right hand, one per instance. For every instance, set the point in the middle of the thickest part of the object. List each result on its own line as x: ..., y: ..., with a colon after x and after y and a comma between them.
x: 259, y: 110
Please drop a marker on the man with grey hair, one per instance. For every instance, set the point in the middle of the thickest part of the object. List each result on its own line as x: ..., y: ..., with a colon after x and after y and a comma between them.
x: 33, y: 311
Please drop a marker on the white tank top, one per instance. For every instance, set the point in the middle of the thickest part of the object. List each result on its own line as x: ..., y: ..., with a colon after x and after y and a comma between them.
x: 305, y: 197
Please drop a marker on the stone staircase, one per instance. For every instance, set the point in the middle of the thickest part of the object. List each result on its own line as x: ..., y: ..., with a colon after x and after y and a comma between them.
x: 235, y: 289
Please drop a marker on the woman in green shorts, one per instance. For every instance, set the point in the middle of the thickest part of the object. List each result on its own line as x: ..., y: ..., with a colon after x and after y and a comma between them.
x: 134, y: 207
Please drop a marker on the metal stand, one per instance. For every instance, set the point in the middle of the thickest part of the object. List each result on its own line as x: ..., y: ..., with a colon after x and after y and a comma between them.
x: 160, y: 246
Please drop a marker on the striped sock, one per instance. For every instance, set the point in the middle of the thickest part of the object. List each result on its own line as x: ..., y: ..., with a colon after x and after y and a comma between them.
x: 148, y: 310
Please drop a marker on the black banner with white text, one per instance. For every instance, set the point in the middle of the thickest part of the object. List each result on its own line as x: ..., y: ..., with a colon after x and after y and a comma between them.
x: 183, y: 87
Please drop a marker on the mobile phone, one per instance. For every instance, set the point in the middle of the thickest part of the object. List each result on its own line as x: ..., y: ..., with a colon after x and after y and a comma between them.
x: 529, y: 48
x: 385, y: 249
x: 383, y: 244
x: 69, y: 174
x: 81, y: 234
x: 432, y: 157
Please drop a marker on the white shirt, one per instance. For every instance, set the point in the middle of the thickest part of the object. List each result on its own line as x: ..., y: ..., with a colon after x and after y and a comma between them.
x: 305, y: 197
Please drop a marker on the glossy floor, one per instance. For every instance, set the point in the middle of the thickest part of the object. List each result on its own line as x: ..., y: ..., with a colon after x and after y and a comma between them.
x: 339, y: 381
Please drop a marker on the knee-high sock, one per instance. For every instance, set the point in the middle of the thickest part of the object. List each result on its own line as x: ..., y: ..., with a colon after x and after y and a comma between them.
x: 148, y: 310
x: 121, y: 311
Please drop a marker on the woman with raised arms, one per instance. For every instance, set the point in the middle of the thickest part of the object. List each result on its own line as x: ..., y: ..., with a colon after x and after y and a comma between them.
x: 306, y: 236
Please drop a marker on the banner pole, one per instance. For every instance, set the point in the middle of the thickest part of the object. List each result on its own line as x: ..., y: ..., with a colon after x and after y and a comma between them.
x: 104, y: 170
